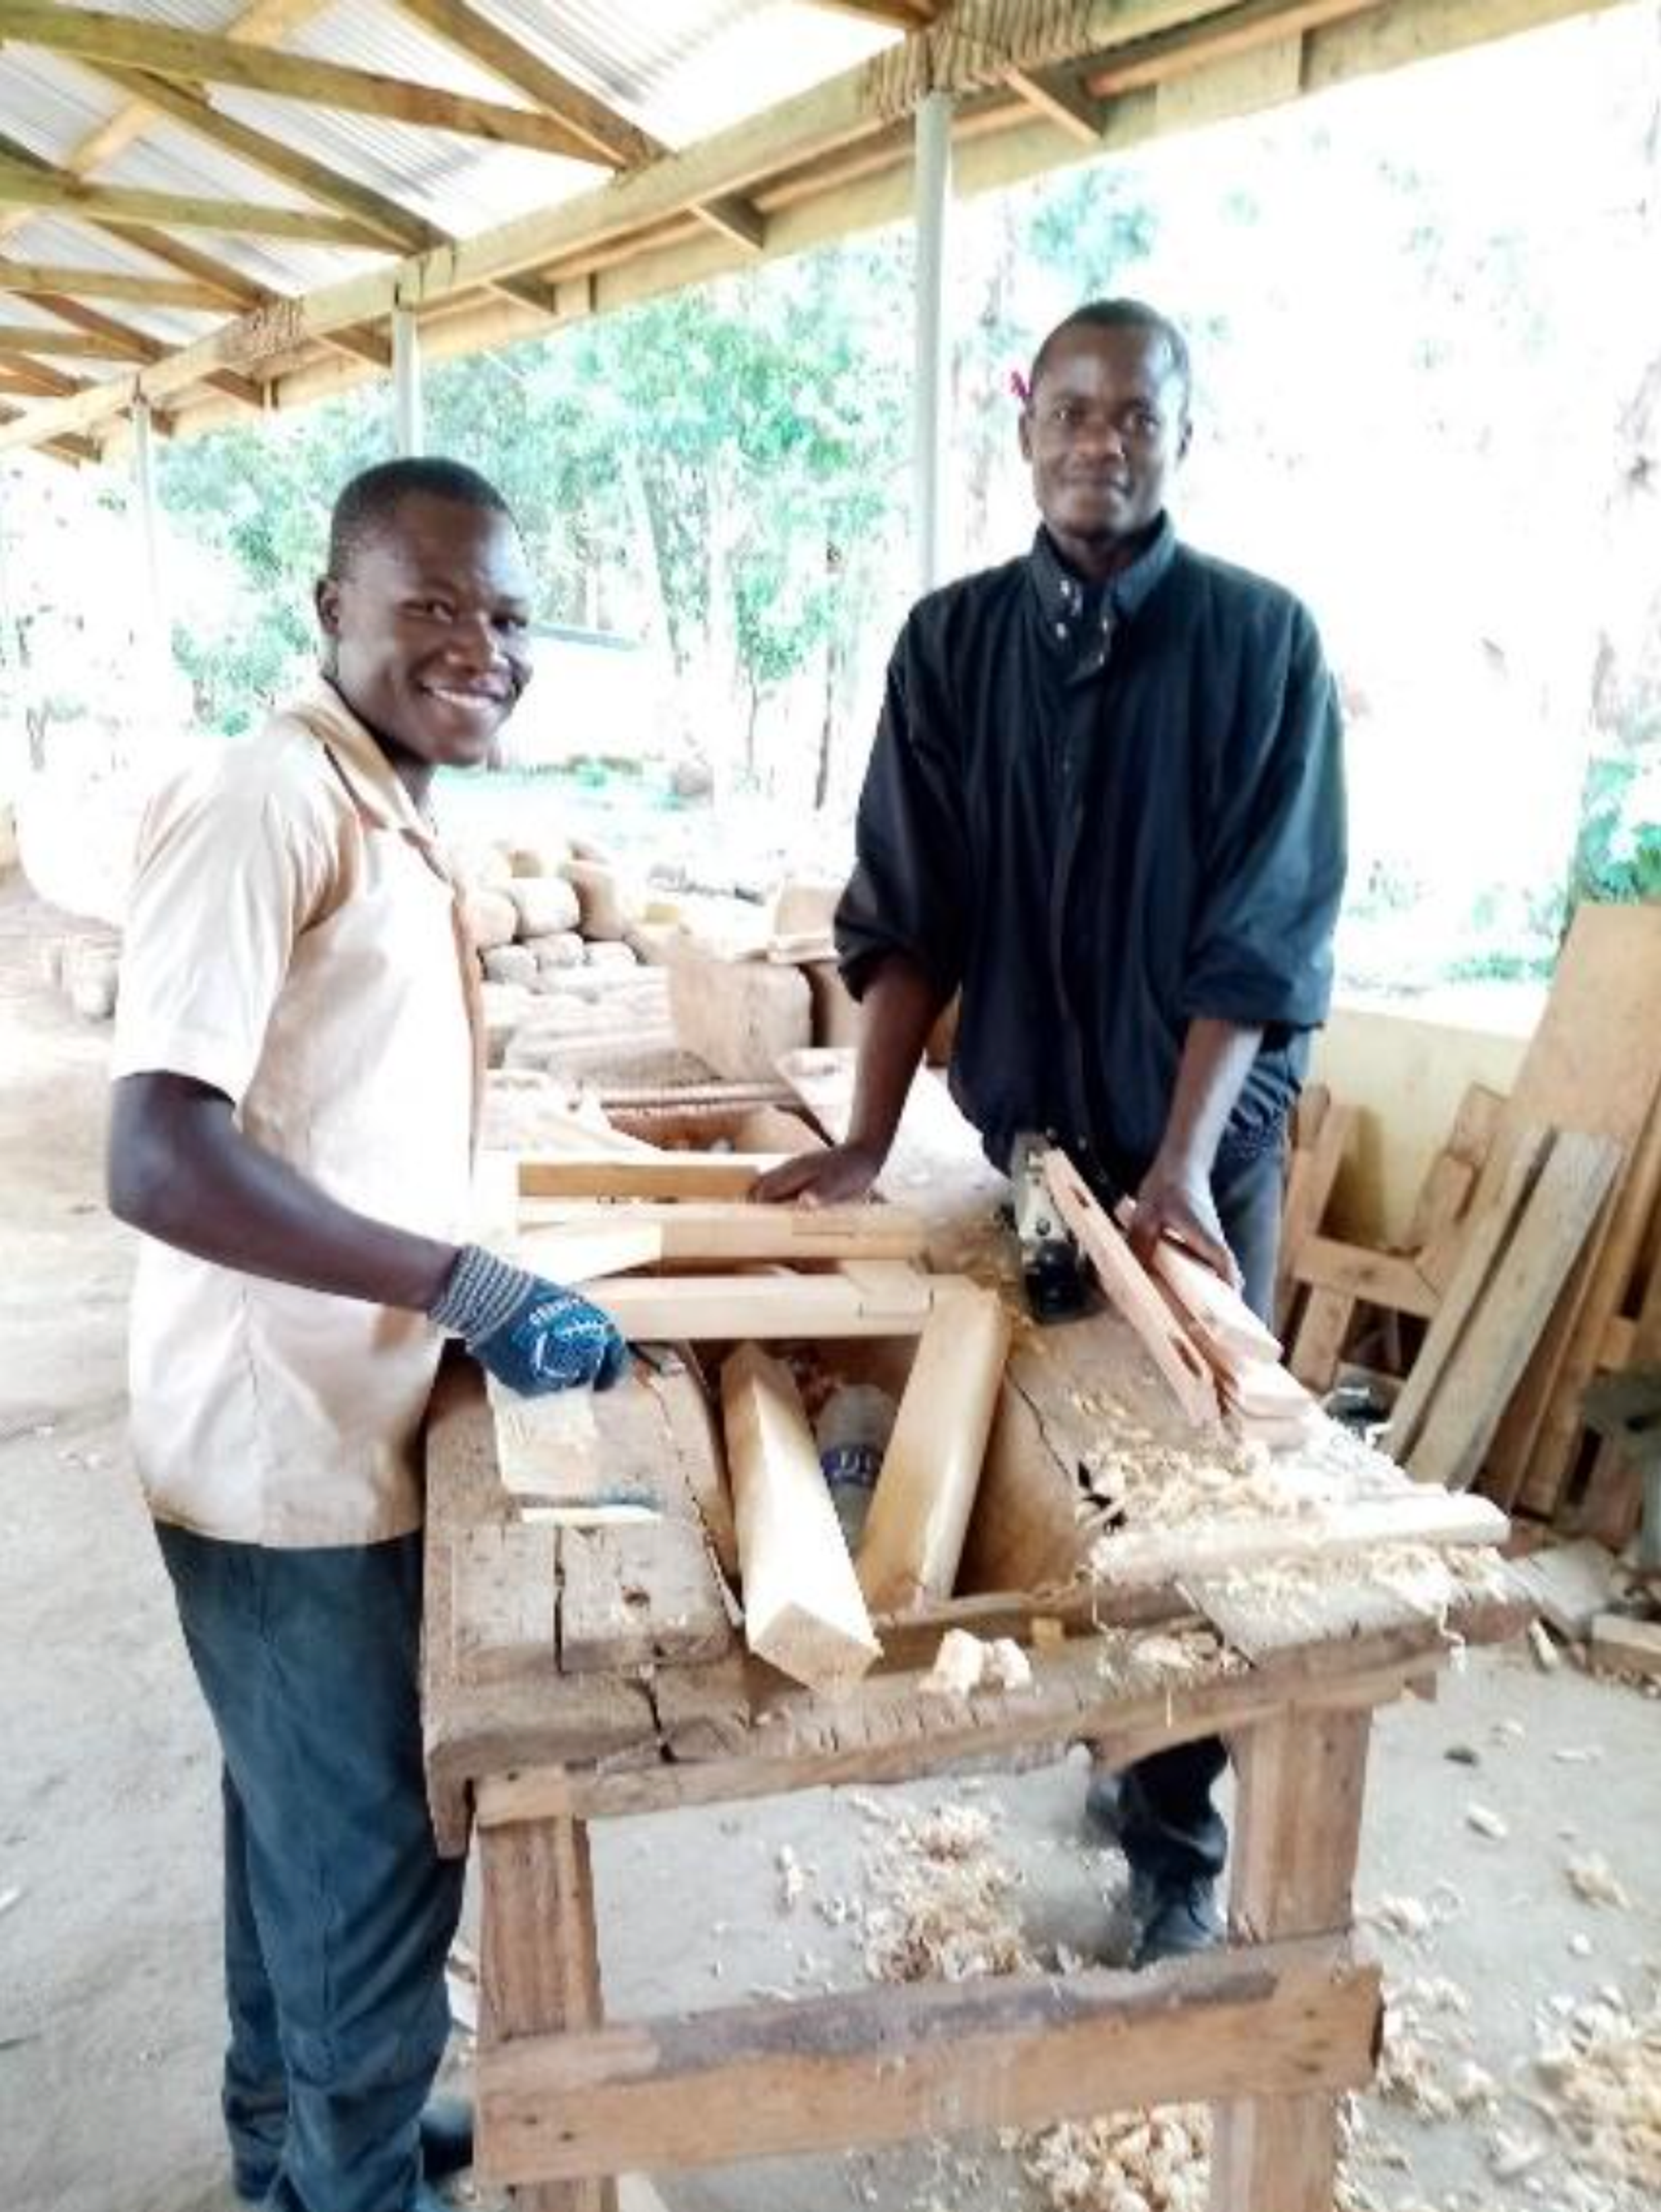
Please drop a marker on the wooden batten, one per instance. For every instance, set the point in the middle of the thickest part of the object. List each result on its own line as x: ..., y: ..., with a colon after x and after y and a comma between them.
x: 803, y: 1612
x: 925, y: 1494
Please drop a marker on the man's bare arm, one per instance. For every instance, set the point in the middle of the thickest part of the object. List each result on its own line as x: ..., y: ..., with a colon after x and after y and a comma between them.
x: 181, y: 1170
x: 1175, y: 1199
x: 902, y: 1003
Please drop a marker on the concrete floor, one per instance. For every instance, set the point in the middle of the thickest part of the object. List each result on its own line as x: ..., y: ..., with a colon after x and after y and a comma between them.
x: 109, y: 2007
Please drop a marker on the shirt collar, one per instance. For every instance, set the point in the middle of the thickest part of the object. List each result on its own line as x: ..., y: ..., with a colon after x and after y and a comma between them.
x: 377, y: 790
x: 1077, y: 618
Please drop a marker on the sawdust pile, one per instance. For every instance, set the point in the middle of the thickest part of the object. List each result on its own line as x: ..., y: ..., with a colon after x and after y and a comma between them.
x: 942, y: 1908
x: 1426, y: 2064
x: 1156, y: 2161
x: 1600, y: 2073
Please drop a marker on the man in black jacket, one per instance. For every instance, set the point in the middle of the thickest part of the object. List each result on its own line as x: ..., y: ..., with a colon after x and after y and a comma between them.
x: 1106, y: 809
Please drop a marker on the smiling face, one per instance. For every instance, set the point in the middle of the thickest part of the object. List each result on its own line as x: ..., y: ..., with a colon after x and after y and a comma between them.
x: 428, y: 632
x: 1104, y: 431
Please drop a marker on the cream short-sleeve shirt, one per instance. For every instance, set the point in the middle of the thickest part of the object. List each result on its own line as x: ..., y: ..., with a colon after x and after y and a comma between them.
x: 294, y: 939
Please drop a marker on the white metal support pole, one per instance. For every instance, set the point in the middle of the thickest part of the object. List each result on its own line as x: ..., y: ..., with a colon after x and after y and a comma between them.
x: 410, y: 430
x: 143, y: 481
x: 933, y: 194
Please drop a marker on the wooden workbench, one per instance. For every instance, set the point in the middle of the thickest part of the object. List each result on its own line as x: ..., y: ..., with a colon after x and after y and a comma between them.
x: 571, y: 1674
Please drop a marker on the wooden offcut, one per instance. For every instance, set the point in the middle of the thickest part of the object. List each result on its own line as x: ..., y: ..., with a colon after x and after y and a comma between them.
x: 925, y: 1491
x: 803, y: 1611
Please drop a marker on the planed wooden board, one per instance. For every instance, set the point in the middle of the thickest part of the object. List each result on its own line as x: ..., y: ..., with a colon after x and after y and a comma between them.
x: 638, y: 1597
x: 1490, y: 1234
x: 639, y: 1172
x: 665, y: 1309
x: 699, y: 1230
x: 803, y: 1610
x: 1556, y: 1220
x: 1128, y: 1284
x: 1594, y: 1064
x: 1212, y: 1309
x: 1151, y: 1557
x: 584, y: 1255
x: 925, y: 1491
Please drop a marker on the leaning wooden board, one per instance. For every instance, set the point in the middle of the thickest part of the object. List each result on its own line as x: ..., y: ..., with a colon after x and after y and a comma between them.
x: 1594, y: 1064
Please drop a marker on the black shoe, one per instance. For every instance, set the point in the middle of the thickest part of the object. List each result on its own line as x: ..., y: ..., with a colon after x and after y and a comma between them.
x: 446, y: 2148
x: 1175, y: 1919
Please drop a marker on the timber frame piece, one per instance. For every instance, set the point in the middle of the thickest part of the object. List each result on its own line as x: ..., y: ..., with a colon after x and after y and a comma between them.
x: 1271, y: 2029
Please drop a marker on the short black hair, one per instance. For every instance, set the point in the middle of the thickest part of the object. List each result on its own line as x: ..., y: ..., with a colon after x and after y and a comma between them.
x: 1120, y: 314
x: 373, y: 498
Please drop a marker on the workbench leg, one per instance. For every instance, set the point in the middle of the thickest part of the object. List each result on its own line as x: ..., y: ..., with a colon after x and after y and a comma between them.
x: 539, y: 1960
x: 1297, y: 1831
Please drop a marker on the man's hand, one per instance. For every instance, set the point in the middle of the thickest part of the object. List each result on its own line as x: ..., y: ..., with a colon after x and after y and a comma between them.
x: 530, y: 1333
x: 1176, y: 1201
x: 835, y: 1177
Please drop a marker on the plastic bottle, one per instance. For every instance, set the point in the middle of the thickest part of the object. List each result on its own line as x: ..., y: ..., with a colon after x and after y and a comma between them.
x: 852, y: 1433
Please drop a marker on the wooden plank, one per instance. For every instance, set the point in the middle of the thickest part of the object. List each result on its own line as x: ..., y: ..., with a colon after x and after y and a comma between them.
x: 1313, y: 1172
x: 700, y: 1462
x: 885, y: 2065
x: 1612, y: 1254
x: 803, y: 1611
x: 538, y: 1969
x: 1491, y: 1232
x: 1610, y: 1511
x: 665, y: 1309
x: 930, y: 1473
x: 195, y: 57
x: 585, y: 1252
x: 1151, y: 1558
x: 642, y: 1173
x: 1298, y: 1819
x: 1323, y: 1334
x: 1216, y: 1314
x: 1523, y: 1287
x: 637, y: 1597
x: 698, y: 1229
x: 1594, y: 1064
x: 1128, y: 1284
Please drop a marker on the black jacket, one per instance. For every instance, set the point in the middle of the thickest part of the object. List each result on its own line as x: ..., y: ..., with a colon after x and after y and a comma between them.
x: 1101, y: 812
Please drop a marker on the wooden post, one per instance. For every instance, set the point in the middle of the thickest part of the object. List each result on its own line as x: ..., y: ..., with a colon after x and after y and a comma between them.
x: 409, y: 425
x: 539, y: 1965
x: 1298, y: 1828
x: 933, y: 190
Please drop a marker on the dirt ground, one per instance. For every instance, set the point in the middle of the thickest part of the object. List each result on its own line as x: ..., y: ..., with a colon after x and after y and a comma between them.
x: 109, y: 2004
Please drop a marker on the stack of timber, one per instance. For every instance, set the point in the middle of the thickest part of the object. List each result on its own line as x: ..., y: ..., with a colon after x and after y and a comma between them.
x: 1537, y: 1265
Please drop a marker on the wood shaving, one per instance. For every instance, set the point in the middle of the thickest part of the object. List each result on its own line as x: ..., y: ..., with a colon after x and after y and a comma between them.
x: 943, y: 1910
x: 1487, y: 1822
x: 1591, y: 1879
x: 965, y: 1662
x: 793, y: 1879
x: 1155, y: 2161
x: 1603, y: 2084
x: 1424, y: 2064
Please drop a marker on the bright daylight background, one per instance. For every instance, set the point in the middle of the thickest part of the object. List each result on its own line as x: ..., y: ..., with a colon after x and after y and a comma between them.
x: 1428, y: 331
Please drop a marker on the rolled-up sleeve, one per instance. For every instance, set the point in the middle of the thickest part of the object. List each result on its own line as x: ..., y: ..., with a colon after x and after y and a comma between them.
x: 907, y: 893
x: 231, y: 867
x: 1260, y: 951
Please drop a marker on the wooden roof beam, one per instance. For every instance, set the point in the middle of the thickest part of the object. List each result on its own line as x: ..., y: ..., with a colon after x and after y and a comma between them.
x: 89, y: 34
x: 30, y: 338
x: 1059, y: 93
x: 73, y: 197
x: 57, y: 276
x: 1237, y: 30
x: 242, y: 295
x: 610, y: 135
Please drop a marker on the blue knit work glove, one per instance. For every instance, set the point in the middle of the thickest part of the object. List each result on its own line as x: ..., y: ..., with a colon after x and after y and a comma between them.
x: 527, y: 1332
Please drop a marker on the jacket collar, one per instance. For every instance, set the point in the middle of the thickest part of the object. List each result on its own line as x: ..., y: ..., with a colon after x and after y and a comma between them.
x: 1077, y: 619
x: 376, y: 788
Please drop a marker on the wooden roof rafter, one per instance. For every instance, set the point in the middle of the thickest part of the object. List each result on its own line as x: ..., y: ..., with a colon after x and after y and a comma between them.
x: 835, y: 158
x: 196, y: 58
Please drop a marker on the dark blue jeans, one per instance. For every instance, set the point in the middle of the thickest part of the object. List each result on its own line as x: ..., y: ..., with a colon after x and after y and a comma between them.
x: 338, y: 1910
x: 1168, y: 1826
